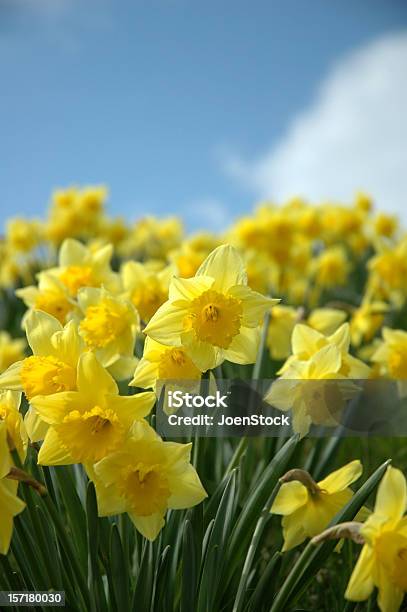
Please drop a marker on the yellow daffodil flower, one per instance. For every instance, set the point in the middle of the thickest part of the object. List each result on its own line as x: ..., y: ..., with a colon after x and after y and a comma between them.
x: 11, y: 350
x: 80, y: 266
x: 152, y: 238
x: 161, y: 362
x: 388, y: 271
x: 88, y: 424
x: 314, y: 390
x: 108, y: 327
x: 145, y: 478
x: 10, y: 504
x: 383, y: 560
x: 215, y: 315
x: 306, y: 342
x: 307, y: 507
x: 146, y: 288
x: 52, y: 367
x: 11, y: 416
x: 22, y: 235
x: 50, y: 296
x: 384, y: 225
x: 331, y: 267
x: 391, y: 357
x: 76, y: 212
x: 366, y: 320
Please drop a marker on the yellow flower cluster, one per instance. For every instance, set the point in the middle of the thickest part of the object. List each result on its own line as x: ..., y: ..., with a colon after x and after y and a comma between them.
x: 112, y: 310
x: 82, y: 323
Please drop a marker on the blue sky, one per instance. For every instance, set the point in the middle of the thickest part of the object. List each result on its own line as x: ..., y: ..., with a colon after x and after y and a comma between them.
x: 155, y: 98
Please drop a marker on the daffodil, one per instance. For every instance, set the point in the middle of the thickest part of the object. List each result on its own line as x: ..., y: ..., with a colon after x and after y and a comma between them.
x: 22, y: 235
x: 384, y: 225
x: 366, y: 320
x: 383, y: 560
x: 306, y: 341
x: 79, y: 266
x: 76, y: 212
x: 307, y: 506
x: 215, y: 315
x: 331, y: 268
x: 51, y: 369
x: 388, y: 270
x: 391, y: 357
x: 50, y: 296
x: 108, y: 326
x: 10, y: 504
x: 88, y: 424
x: 146, y: 477
x: 153, y: 238
x: 11, y: 350
x: 314, y: 390
x: 12, y: 417
x: 164, y: 363
x: 145, y: 287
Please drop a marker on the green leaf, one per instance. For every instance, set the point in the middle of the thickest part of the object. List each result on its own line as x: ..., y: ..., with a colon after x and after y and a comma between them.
x: 255, y: 502
x: 189, y: 569
x: 264, y: 590
x: 95, y: 585
x: 258, y: 532
x: 119, y: 571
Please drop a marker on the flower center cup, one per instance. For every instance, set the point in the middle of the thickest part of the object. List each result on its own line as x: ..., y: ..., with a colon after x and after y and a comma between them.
x: 89, y: 436
x: 103, y: 323
x: 146, y: 488
x: 215, y: 318
x: 46, y: 375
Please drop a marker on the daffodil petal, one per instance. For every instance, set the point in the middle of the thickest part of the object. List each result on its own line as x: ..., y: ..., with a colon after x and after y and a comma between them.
x: 254, y: 305
x: 5, y: 460
x: 390, y: 595
x: 148, y: 526
x: 291, y: 496
x: 89, y: 371
x: 53, y: 408
x: 186, y: 489
x: 11, y: 378
x: 361, y: 583
x: 243, y: 348
x: 304, y: 338
x: 72, y: 253
x: 342, y: 478
x: 189, y: 288
x: 131, y: 407
x: 52, y: 452
x: 145, y: 375
x: 391, y: 496
x: 167, y: 324
x: 293, y: 531
x: 225, y: 265
x: 204, y: 355
x: 280, y: 395
x: 40, y: 327
x: 36, y: 427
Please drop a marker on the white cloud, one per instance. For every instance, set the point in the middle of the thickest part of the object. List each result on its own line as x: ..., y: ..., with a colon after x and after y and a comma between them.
x: 354, y: 136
